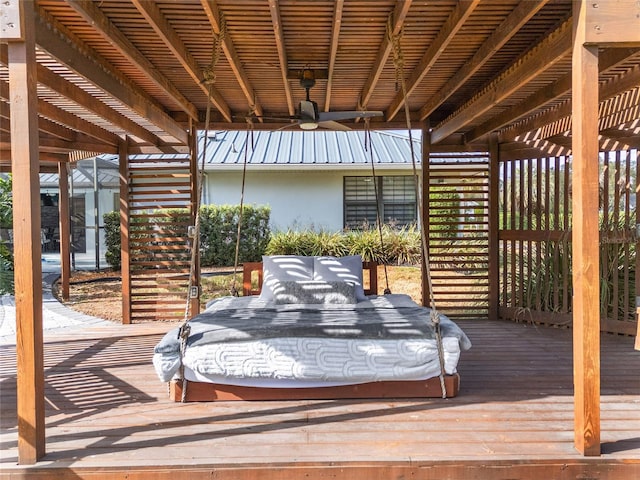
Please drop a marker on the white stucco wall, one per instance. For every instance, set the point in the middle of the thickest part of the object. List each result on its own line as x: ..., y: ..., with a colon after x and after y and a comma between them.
x: 298, y: 199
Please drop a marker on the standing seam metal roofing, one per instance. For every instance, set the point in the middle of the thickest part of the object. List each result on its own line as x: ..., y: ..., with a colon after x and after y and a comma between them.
x: 320, y: 149
x: 307, y: 148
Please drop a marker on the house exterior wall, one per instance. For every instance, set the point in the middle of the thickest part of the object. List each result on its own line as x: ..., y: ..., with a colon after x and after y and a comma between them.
x: 298, y: 199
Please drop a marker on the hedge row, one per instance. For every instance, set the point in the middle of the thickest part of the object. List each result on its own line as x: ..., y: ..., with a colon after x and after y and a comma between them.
x: 218, y: 232
x: 397, y: 247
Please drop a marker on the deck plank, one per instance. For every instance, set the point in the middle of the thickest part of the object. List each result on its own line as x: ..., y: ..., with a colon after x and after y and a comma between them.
x: 107, y: 413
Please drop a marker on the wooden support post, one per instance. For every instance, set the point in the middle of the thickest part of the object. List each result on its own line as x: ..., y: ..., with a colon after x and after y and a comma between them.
x: 65, y: 229
x: 27, y: 248
x: 425, y: 164
x: 125, y: 222
x: 195, y: 204
x: 585, y: 234
x: 637, y: 189
x: 494, y: 224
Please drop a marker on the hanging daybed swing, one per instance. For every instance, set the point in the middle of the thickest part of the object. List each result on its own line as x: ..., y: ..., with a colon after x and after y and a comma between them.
x: 311, y: 330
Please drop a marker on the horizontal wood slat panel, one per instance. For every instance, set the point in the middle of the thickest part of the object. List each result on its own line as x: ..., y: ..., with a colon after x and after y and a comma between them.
x: 159, y: 249
x: 459, y: 235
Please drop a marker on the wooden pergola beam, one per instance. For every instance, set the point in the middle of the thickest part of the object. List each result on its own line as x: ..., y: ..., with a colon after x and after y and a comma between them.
x: 64, y: 228
x: 397, y: 21
x: 612, y: 24
x: 454, y: 23
x: 549, y: 93
x: 557, y: 120
x: 215, y: 19
x: 174, y: 43
x: 47, y: 126
x: 501, y: 35
x: 47, y: 110
x: 548, y: 52
x: 99, y: 72
x: 57, y: 145
x: 101, y: 23
x: 333, y: 50
x: 276, y: 21
x: 26, y: 230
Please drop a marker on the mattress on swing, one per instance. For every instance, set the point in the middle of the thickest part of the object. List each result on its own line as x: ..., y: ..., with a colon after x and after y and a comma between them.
x: 247, y: 341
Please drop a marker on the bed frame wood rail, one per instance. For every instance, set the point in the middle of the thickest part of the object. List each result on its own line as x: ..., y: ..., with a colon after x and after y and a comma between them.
x: 208, y: 392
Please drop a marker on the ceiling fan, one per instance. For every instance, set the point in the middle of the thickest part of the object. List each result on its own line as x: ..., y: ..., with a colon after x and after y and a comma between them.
x: 309, y: 118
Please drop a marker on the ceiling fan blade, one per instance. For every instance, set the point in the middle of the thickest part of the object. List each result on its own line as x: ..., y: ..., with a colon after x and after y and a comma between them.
x: 333, y: 125
x: 327, y: 116
x: 285, y: 127
x: 280, y: 119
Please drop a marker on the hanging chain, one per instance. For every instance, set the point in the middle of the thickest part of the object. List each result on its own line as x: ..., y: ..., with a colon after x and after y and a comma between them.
x: 398, y: 62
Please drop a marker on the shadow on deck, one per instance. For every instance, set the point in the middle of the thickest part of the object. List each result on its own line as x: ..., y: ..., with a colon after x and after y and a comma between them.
x: 109, y: 416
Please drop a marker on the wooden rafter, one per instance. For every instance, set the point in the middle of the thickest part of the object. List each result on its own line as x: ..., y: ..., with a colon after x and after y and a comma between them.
x: 453, y: 24
x: 44, y: 125
x: 500, y: 36
x: 276, y: 21
x: 77, y: 95
x: 57, y: 145
x: 60, y: 118
x: 333, y: 50
x: 96, y: 73
x: 549, y: 51
x: 172, y: 40
x: 549, y: 93
x: 98, y: 20
x: 557, y: 120
x: 78, y: 124
x: 213, y: 14
x: 397, y: 21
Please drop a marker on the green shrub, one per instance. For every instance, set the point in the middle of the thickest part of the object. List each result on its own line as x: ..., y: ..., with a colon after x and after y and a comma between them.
x: 112, y: 238
x: 401, y: 247
x: 219, y: 231
x: 6, y: 202
x: 6, y: 270
x: 6, y: 221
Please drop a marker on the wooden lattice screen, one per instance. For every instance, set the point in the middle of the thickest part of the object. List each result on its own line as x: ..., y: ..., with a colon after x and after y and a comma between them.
x: 159, y: 196
x: 535, y: 240
x: 458, y: 227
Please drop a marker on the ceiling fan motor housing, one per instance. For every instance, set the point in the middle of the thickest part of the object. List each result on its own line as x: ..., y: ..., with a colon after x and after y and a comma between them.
x: 308, y: 115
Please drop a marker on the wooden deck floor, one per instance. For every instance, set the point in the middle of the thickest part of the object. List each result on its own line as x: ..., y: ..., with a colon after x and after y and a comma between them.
x: 108, y: 416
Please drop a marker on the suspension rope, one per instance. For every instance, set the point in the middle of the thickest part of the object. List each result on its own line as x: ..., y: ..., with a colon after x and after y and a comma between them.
x: 185, y: 329
x: 234, y: 289
x: 368, y: 146
x: 398, y: 62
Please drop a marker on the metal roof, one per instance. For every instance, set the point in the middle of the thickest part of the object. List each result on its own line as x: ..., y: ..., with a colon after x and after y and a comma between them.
x: 326, y: 149
x: 322, y: 150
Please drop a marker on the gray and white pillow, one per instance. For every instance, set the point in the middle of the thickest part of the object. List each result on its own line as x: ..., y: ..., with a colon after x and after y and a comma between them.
x: 314, y: 292
x: 279, y: 268
x: 340, y: 269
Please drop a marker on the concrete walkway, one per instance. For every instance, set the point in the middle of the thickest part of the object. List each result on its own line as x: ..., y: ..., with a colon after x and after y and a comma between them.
x: 54, y: 314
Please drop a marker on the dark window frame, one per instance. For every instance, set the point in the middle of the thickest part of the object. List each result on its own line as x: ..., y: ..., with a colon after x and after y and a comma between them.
x: 391, y: 197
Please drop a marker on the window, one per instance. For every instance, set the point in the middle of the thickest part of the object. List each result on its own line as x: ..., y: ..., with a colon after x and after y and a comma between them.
x: 397, y: 200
